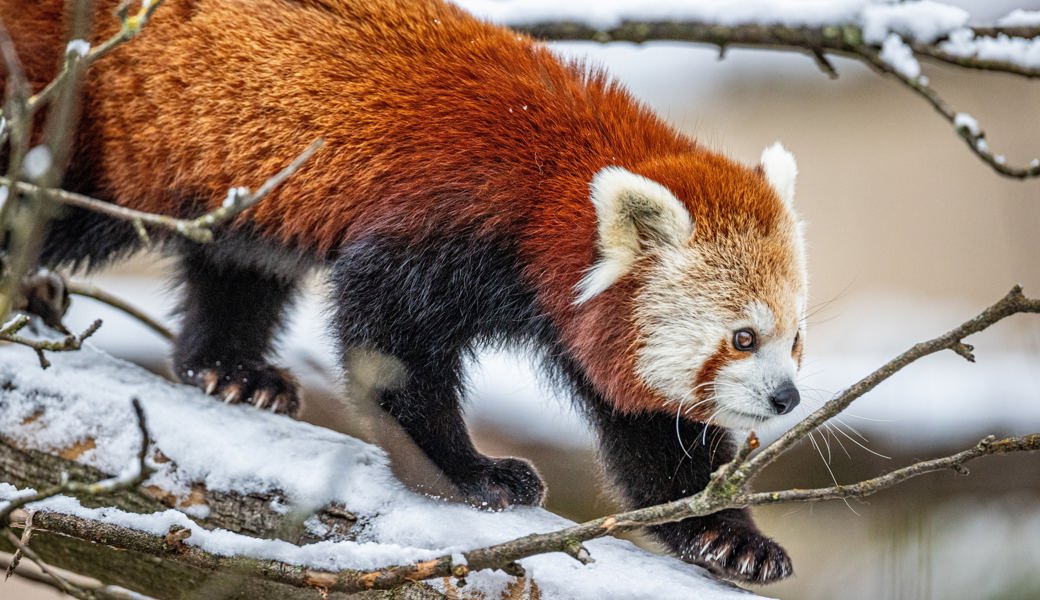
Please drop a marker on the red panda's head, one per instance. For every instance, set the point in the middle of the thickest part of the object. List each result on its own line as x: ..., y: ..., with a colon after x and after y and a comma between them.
x: 717, y: 254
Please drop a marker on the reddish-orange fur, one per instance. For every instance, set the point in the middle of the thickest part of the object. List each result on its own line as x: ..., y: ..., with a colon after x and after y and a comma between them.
x: 222, y: 93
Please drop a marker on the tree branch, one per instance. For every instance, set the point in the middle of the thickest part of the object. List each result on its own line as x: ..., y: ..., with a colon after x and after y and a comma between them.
x: 1013, y: 303
x: 78, y: 57
x: 842, y: 39
x: 198, y: 229
x: 71, y: 342
x: 96, y: 293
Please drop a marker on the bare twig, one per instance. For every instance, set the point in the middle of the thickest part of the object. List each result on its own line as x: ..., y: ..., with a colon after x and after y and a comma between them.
x: 1013, y: 303
x: 96, y: 293
x: 51, y: 577
x: 67, y: 344
x: 198, y: 229
x: 841, y: 39
x: 17, y: 556
x: 974, y: 137
x: 130, y: 26
x: 726, y: 488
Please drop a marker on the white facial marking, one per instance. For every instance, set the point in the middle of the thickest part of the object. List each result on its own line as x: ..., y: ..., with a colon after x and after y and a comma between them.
x: 781, y: 171
x: 763, y: 321
x: 631, y: 211
x: 680, y: 328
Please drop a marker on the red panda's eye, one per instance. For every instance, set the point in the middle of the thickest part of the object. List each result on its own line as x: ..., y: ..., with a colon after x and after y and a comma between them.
x: 744, y: 340
x: 797, y: 337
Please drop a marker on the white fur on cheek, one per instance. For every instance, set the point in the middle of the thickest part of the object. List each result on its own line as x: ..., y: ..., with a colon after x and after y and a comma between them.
x: 630, y: 210
x: 678, y: 325
x: 781, y: 171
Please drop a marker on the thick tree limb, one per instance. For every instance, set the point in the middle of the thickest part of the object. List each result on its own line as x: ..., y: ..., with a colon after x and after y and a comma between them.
x: 129, y: 480
x: 504, y: 556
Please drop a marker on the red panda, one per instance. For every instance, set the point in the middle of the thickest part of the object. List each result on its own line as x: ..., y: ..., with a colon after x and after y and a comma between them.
x: 472, y: 188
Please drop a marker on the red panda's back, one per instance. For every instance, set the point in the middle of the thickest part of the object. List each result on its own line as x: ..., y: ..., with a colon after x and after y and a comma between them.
x: 431, y: 118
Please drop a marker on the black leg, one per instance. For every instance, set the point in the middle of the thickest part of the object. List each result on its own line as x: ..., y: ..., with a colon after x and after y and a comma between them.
x: 420, y: 309
x: 231, y: 315
x: 646, y: 461
x: 427, y: 407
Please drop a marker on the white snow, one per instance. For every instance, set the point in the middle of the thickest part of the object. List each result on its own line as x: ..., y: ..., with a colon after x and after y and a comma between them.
x: 966, y: 121
x: 313, y: 466
x: 78, y: 47
x: 37, y: 162
x: 1020, y: 18
x: 898, y: 55
x: 234, y: 195
x: 606, y: 14
x: 1017, y: 51
x: 922, y: 22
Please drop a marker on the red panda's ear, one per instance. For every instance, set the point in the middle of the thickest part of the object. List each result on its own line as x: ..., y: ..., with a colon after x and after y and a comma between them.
x: 780, y: 170
x: 632, y: 212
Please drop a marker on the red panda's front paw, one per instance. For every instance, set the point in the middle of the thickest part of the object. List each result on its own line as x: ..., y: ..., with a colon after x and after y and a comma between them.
x: 503, y: 482
x: 261, y: 385
x: 739, y: 554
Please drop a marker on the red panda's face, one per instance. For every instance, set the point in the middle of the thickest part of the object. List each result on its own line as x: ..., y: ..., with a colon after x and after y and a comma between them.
x: 713, y: 347
x: 722, y: 294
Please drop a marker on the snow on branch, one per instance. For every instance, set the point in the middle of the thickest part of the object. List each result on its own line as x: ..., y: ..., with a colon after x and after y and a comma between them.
x: 890, y: 38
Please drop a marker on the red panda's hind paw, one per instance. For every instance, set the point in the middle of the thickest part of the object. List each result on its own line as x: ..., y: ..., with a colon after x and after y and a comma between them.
x: 740, y: 555
x: 263, y: 386
x: 503, y: 482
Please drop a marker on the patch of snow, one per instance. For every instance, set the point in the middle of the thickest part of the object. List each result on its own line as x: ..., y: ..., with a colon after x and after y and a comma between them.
x: 900, y: 57
x: 313, y: 466
x: 1016, y: 51
x: 966, y: 121
x: 78, y: 47
x: 234, y: 195
x: 37, y: 162
x: 606, y: 14
x: 1020, y: 18
x: 923, y: 22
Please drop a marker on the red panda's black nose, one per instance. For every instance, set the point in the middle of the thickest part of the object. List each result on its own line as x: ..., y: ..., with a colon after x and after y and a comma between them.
x: 785, y: 398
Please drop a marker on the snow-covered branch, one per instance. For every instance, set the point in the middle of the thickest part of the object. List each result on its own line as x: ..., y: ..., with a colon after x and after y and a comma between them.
x: 890, y: 38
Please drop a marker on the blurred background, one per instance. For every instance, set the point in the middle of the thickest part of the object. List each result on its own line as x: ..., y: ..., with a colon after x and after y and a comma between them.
x: 909, y: 235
